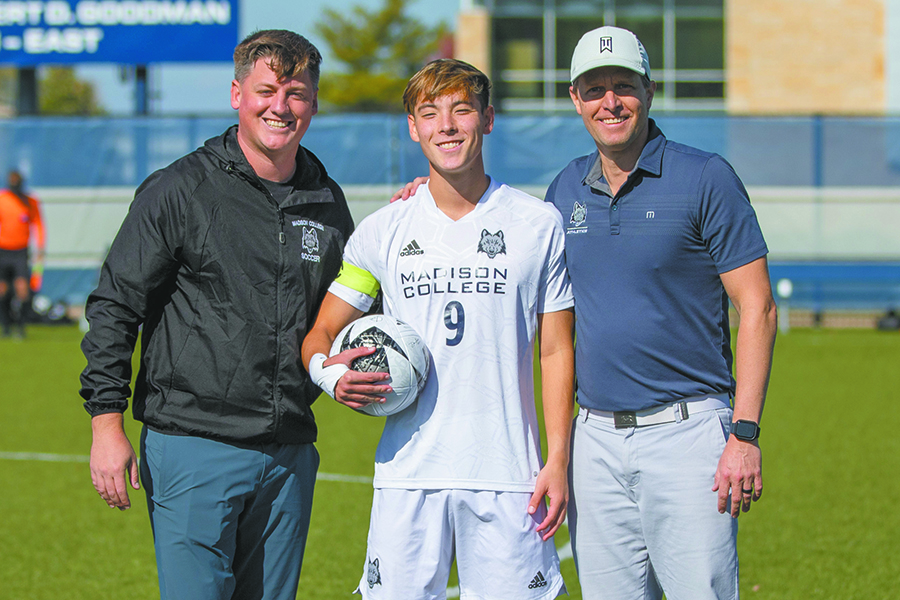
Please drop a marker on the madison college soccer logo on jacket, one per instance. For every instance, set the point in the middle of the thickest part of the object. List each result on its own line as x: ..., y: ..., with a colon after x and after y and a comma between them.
x: 310, y: 238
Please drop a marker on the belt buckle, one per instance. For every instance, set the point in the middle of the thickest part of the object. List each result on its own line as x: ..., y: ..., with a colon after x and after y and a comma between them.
x: 624, y: 419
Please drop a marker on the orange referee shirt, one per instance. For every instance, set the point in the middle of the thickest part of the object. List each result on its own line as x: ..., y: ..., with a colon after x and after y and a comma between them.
x: 16, y: 221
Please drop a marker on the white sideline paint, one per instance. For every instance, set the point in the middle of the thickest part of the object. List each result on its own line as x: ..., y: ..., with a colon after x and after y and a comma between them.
x: 42, y: 457
x: 80, y: 458
x: 565, y: 552
x: 343, y: 478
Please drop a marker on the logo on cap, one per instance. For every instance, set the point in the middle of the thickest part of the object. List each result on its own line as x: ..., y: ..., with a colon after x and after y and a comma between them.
x: 606, y: 44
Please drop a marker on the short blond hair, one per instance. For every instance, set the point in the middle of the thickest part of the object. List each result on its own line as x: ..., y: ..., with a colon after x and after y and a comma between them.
x: 446, y: 76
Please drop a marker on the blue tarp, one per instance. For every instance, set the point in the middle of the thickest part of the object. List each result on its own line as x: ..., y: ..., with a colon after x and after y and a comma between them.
x: 817, y: 286
x: 523, y: 150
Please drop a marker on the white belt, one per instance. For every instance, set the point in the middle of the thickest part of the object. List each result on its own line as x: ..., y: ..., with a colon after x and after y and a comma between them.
x: 673, y: 412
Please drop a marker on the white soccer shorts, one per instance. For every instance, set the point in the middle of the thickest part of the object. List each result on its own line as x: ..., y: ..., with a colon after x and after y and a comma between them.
x: 414, y: 535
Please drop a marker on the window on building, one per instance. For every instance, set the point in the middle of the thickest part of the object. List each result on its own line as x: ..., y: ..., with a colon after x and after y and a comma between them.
x: 518, y: 58
x: 650, y: 30
x: 533, y: 41
x: 535, y: 7
x: 696, y: 3
x: 698, y: 65
x: 699, y: 44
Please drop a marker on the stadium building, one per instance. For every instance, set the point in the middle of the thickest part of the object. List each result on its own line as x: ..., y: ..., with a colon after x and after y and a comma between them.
x: 746, y: 57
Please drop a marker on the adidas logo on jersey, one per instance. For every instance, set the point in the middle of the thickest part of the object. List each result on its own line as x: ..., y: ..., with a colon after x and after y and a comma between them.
x: 537, y: 582
x: 412, y: 249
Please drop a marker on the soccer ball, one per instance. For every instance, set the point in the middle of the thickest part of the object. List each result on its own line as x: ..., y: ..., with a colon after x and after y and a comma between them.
x: 401, y: 352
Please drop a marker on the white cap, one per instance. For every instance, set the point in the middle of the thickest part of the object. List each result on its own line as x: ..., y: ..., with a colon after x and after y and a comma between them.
x: 609, y: 47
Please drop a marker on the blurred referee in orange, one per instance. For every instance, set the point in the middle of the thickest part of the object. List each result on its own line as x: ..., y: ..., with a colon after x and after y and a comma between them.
x: 20, y: 217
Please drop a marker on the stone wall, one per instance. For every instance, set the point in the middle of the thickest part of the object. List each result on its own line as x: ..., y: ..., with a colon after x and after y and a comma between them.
x: 805, y: 57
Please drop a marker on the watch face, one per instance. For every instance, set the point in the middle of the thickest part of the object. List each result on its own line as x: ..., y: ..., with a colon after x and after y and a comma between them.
x: 745, y: 430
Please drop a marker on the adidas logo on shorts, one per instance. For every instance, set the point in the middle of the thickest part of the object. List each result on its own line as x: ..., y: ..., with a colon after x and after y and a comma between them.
x: 537, y: 582
x: 412, y: 249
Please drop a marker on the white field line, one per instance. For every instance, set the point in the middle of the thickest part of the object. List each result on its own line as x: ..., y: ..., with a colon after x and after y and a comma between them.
x: 565, y: 552
x: 42, y: 457
x: 343, y: 478
x: 80, y: 458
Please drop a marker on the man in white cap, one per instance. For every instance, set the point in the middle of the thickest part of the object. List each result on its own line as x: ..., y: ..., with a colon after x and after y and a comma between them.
x: 659, y: 237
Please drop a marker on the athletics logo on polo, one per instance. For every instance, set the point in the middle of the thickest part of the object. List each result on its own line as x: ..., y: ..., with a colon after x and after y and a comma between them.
x: 579, y: 214
x: 578, y: 218
x: 492, y: 244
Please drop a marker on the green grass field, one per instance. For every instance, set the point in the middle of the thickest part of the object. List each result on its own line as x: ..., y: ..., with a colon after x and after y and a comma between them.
x: 827, y: 526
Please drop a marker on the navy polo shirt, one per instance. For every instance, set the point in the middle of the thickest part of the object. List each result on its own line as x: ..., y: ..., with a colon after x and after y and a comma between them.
x: 651, y: 311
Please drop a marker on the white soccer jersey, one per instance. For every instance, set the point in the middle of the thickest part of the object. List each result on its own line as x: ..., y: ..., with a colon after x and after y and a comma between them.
x: 472, y: 289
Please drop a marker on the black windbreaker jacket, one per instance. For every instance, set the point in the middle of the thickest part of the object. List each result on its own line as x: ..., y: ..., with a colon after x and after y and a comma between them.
x: 226, y: 283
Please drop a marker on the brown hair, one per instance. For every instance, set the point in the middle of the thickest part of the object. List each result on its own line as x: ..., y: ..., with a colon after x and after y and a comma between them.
x: 286, y: 53
x: 446, y: 76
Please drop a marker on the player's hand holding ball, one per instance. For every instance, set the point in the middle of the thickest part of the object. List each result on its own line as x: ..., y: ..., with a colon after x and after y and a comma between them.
x: 354, y: 388
x: 378, y: 365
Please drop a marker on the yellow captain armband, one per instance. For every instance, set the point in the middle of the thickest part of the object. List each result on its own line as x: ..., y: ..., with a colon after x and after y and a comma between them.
x: 357, y: 279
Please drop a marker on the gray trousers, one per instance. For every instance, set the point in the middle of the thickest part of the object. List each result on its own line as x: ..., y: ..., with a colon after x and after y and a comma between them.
x: 642, y: 514
x: 228, y: 521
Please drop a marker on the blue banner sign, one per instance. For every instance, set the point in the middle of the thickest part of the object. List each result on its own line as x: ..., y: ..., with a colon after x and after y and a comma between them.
x: 117, y: 31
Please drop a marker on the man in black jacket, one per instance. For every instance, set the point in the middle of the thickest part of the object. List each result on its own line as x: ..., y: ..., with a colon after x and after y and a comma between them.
x: 223, y: 260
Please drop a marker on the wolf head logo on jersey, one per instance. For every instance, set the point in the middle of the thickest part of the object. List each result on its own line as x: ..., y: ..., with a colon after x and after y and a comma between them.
x: 310, y: 240
x: 492, y: 244
x: 373, y: 576
x: 579, y: 214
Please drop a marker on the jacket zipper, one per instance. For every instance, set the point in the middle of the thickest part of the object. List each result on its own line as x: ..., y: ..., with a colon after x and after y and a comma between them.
x: 278, y: 333
x: 282, y: 240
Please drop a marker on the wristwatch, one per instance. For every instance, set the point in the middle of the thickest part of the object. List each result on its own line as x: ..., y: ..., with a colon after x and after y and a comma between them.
x: 746, y: 431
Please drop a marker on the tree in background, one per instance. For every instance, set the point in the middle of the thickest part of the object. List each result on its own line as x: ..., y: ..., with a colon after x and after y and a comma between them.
x: 61, y: 92
x: 380, y: 50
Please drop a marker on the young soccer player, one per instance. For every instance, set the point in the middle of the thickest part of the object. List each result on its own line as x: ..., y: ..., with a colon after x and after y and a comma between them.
x: 478, y: 269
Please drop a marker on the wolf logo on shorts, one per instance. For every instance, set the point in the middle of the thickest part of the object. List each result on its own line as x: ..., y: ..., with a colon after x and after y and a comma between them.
x: 373, y: 576
x: 492, y: 244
